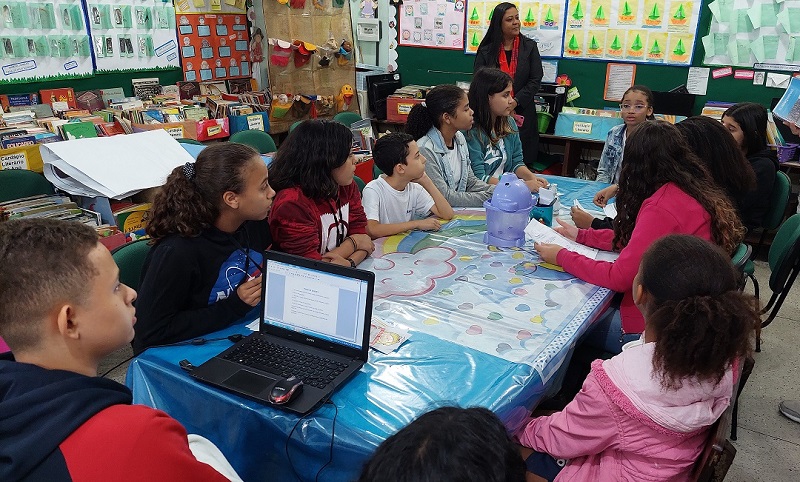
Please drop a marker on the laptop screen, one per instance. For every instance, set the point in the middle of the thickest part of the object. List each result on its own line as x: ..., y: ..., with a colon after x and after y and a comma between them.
x: 315, y: 303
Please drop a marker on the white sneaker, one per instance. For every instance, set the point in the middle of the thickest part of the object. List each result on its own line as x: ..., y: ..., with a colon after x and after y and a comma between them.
x: 791, y: 409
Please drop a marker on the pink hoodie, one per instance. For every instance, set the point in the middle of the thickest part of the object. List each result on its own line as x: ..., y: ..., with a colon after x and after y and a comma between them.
x: 623, y: 426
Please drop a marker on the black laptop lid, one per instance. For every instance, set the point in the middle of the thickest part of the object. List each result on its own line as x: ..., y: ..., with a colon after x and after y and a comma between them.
x: 317, y: 304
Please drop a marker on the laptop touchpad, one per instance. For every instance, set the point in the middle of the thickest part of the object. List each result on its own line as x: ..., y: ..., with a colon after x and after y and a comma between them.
x: 248, y: 382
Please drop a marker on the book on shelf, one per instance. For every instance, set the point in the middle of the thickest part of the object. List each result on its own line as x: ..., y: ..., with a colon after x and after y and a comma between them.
x: 78, y: 130
x: 91, y: 100
x: 63, y: 94
x: 27, y: 140
x: 111, y: 95
x: 9, y: 101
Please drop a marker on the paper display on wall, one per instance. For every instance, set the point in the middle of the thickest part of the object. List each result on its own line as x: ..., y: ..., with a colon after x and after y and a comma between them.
x: 745, y: 32
x: 131, y: 35
x: 210, y: 6
x: 432, y: 23
x: 541, y: 20
x: 645, y: 31
x: 43, y: 40
x: 214, y: 47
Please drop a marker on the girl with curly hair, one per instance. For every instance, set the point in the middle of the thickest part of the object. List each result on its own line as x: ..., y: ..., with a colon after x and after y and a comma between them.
x: 663, y: 189
x: 645, y: 414
x: 208, y: 226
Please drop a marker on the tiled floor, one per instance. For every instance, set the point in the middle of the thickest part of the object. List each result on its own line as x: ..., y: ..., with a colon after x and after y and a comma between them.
x: 768, y: 448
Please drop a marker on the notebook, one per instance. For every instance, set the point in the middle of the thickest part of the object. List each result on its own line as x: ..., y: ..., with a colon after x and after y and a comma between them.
x: 314, y: 325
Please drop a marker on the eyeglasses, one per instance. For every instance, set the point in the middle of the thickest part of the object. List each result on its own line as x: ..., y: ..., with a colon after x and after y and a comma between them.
x: 635, y: 108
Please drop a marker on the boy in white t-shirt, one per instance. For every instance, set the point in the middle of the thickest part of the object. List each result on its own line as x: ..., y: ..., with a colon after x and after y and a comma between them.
x: 393, y: 201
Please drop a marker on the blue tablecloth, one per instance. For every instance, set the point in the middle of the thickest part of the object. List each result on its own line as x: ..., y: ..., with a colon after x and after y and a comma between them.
x: 194, y: 151
x: 488, y: 327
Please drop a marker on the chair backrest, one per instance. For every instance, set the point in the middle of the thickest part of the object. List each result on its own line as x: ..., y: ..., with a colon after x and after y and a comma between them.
x: 294, y: 125
x: 718, y: 453
x: 347, y: 118
x: 739, y: 260
x: 376, y: 171
x: 360, y: 183
x: 784, y: 253
x: 778, y: 201
x: 190, y: 141
x: 258, y: 140
x: 18, y: 183
x: 130, y: 260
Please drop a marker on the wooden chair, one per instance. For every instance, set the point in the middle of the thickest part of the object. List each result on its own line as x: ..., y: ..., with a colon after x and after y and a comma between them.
x: 718, y: 453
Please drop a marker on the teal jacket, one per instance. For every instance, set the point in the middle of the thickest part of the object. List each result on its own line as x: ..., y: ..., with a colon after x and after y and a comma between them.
x: 483, y: 162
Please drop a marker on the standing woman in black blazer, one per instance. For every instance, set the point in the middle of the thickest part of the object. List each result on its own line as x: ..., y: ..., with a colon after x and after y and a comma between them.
x: 505, y: 48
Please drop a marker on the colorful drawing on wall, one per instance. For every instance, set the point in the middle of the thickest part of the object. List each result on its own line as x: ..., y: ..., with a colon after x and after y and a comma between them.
x: 539, y: 20
x: 439, y: 23
x: 213, y: 46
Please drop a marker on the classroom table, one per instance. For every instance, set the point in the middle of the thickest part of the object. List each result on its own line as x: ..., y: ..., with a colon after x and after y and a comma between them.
x: 488, y: 327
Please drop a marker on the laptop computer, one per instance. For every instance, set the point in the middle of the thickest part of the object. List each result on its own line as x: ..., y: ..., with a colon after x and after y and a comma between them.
x: 314, y: 326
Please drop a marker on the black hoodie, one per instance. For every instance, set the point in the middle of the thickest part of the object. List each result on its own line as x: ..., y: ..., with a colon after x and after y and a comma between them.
x: 39, y: 409
x: 754, y: 205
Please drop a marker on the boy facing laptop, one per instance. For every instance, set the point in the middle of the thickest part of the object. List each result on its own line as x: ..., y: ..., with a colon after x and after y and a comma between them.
x: 62, y: 310
x: 393, y: 201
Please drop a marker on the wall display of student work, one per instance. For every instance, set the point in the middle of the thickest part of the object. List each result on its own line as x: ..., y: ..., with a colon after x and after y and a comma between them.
x: 214, y: 46
x: 132, y: 35
x: 210, y: 6
x: 43, y: 40
x: 646, y: 31
x: 311, y: 60
x: 744, y: 32
x: 541, y: 20
x: 432, y: 23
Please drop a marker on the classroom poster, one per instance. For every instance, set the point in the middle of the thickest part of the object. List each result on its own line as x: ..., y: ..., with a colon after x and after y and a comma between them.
x: 214, y: 47
x: 433, y: 23
x: 746, y: 32
x: 130, y: 35
x: 541, y: 20
x: 210, y: 6
x: 43, y: 41
x: 646, y: 31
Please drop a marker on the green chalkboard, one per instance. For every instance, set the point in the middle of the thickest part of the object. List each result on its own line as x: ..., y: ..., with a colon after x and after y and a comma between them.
x: 434, y: 66
x: 102, y: 81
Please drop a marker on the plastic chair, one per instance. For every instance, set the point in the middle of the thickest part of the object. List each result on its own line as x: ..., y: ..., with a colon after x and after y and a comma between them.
x: 294, y: 124
x: 258, y: 140
x: 19, y: 183
x: 740, y: 259
x: 347, y: 118
x: 130, y: 260
x: 376, y: 171
x: 190, y: 141
x: 360, y: 182
x: 777, y: 207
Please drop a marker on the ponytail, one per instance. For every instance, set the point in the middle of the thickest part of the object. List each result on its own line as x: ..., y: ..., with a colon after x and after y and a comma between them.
x: 190, y: 200
x: 442, y: 99
x: 698, y: 337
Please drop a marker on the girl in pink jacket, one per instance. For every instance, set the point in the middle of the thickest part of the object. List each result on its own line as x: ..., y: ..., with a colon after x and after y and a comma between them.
x: 644, y: 414
x: 663, y: 189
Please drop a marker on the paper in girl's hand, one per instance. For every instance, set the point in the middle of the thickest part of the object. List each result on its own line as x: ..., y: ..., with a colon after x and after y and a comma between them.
x: 386, y: 337
x: 610, y: 210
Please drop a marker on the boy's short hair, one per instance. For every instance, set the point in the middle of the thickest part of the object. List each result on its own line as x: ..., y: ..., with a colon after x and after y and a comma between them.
x: 391, y: 150
x: 448, y: 444
x: 42, y: 262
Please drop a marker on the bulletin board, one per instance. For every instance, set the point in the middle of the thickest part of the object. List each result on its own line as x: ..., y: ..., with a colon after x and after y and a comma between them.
x: 432, y: 23
x: 210, y: 6
x: 543, y: 21
x: 214, y: 46
x: 43, y: 41
x: 645, y: 31
x: 745, y: 32
x: 130, y: 35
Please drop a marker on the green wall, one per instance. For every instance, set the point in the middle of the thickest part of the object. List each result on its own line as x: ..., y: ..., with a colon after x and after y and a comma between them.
x: 436, y: 66
x: 102, y: 81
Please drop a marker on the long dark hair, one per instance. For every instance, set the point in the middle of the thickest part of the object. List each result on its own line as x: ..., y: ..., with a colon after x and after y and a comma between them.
x: 717, y: 149
x: 645, y: 90
x: 190, y: 200
x: 442, y: 99
x: 494, y: 34
x: 308, y: 156
x: 488, y: 81
x: 655, y: 154
x: 752, y: 119
x: 700, y: 320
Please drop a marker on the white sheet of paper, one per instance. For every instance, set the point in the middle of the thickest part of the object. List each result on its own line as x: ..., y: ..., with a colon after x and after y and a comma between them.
x: 780, y: 81
x: 540, y: 233
x: 620, y: 78
x: 610, y: 210
x: 697, y: 80
x: 550, y: 69
x: 116, y: 166
x: 546, y: 196
x: 253, y: 325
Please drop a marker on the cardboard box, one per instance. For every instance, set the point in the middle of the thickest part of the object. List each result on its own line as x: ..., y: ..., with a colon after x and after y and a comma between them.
x: 256, y: 121
x: 22, y: 157
x: 203, y: 130
x: 584, y: 126
x: 397, y: 108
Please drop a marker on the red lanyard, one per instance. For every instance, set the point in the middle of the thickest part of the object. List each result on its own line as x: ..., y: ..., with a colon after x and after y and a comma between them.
x: 510, y: 70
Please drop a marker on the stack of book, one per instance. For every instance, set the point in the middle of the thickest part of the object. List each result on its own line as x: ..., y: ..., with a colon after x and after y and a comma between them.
x: 715, y: 109
x: 43, y: 206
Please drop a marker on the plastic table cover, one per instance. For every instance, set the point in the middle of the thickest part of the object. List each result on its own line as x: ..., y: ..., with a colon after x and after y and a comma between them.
x: 488, y: 327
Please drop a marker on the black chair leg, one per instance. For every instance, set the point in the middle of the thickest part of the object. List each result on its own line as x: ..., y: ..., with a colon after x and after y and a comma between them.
x: 747, y: 369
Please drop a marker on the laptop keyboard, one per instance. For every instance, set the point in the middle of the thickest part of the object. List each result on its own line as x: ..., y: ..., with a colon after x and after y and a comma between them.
x: 285, y: 362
